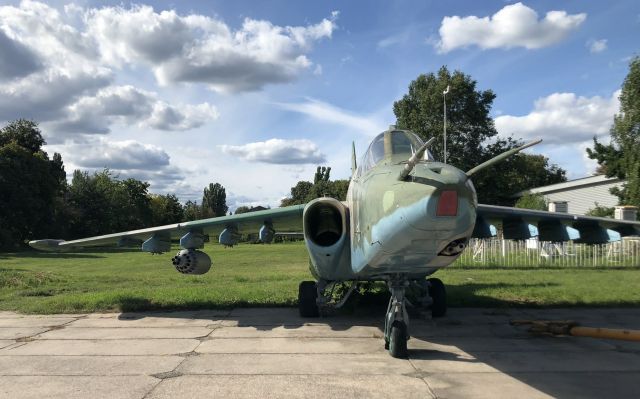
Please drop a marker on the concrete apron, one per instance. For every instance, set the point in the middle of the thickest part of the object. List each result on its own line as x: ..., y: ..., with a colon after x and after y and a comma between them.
x: 273, y: 353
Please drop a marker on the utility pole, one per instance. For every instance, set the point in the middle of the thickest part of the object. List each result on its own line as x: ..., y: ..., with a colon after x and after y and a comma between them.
x: 444, y: 98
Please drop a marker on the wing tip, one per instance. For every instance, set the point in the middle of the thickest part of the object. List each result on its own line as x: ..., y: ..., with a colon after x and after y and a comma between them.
x: 46, y: 244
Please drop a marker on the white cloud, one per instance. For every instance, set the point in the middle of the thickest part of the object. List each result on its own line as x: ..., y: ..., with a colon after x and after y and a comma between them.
x: 59, y: 65
x: 182, y: 117
x: 563, y: 118
x: 44, y: 96
x: 197, y: 48
x: 117, y: 155
x: 278, y: 151
x: 127, y: 106
x: 61, y: 79
x: 324, y: 112
x: 126, y: 158
x: 515, y: 25
x: 597, y: 46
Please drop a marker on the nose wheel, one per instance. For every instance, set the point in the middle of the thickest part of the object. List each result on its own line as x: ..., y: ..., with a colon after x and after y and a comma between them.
x: 398, y: 337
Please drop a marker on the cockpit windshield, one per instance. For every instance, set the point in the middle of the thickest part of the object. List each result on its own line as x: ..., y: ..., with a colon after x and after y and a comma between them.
x: 390, y: 144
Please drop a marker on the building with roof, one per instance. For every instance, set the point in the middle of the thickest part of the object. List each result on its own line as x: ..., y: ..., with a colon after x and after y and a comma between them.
x: 580, y: 195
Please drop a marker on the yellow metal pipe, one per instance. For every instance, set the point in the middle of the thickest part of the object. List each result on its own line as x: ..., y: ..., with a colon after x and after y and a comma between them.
x: 567, y: 327
x: 609, y: 333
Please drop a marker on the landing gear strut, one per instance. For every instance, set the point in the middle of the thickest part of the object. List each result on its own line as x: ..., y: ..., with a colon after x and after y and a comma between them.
x: 396, y: 326
x: 307, y: 299
x: 396, y: 323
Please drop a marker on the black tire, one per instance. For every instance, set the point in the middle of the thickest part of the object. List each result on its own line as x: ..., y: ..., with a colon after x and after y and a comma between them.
x: 438, y: 293
x: 398, y: 340
x: 307, y: 294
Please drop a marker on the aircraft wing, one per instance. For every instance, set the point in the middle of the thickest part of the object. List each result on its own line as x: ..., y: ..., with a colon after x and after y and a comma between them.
x: 279, y: 220
x: 521, y: 224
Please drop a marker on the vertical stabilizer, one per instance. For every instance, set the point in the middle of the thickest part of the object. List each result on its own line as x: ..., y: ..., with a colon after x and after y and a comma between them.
x: 354, y: 165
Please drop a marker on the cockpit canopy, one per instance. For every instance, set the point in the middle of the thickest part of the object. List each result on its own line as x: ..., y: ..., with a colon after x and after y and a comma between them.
x: 398, y: 145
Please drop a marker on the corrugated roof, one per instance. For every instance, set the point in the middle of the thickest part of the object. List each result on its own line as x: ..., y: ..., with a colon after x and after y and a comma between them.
x: 584, y: 181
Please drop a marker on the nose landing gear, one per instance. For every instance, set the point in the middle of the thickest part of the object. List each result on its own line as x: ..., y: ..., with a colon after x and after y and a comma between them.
x: 396, y: 326
x: 313, y: 296
x: 396, y: 323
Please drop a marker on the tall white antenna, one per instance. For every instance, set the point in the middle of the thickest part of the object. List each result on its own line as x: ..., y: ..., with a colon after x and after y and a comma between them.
x: 444, y: 97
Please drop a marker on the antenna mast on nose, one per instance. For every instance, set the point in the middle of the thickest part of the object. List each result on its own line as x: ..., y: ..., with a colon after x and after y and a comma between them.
x: 415, y: 158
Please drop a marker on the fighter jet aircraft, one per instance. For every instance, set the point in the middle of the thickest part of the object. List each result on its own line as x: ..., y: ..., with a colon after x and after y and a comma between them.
x: 406, y: 216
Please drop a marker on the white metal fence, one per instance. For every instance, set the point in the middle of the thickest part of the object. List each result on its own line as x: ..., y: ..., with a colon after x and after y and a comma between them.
x: 495, y: 252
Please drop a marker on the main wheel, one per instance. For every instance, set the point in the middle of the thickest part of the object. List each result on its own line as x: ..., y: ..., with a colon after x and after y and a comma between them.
x: 439, y: 296
x: 398, y: 340
x: 307, y: 294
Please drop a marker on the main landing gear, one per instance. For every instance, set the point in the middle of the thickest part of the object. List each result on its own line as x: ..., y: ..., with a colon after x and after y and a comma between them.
x: 307, y: 299
x: 315, y: 297
x: 396, y: 324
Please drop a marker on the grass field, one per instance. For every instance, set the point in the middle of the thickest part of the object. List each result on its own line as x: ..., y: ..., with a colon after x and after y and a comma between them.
x: 268, y: 275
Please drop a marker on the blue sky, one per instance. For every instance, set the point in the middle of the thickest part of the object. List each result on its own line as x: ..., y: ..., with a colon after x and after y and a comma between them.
x: 255, y: 94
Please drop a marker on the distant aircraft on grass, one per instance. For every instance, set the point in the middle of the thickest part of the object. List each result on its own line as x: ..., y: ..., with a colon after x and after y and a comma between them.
x: 406, y: 216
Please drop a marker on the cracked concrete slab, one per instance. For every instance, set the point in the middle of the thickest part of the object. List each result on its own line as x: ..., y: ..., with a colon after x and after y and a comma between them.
x: 293, y: 386
x: 122, y: 347
x: 146, y: 322
x: 517, y: 362
x: 6, y: 342
x: 482, y: 386
x: 300, y: 331
x: 336, y: 364
x: 497, y: 344
x: 76, y: 387
x: 87, y: 365
x: 273, y: 352
x: 291, y: 345
x: 34, y: 321
x: 13, y: 315
x: 20, y: 332
x: 126, y: 333
x: 535, y: 385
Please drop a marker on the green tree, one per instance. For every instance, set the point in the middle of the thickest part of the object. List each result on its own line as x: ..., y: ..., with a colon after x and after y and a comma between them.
x: 322, y: 174
x: 621, y: 157
x: 299, y: 194
x: 498, y: 183
x: 165, y: 209
x: 242, y: 209
x: 137, y: 203
x: 340, y: 188
x: 192, y: 211
x: 532, y: 201
x: 31, y: 185
x: 23, y: 132
x: 305, y: 191
x: 469, y: 130
x: 214, y: 201
x: 601, y: 211
x: 101, y: 204
x: 469, y: 122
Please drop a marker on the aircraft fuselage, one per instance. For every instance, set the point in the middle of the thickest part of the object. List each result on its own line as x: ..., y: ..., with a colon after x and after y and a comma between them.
x: 390, y: 225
